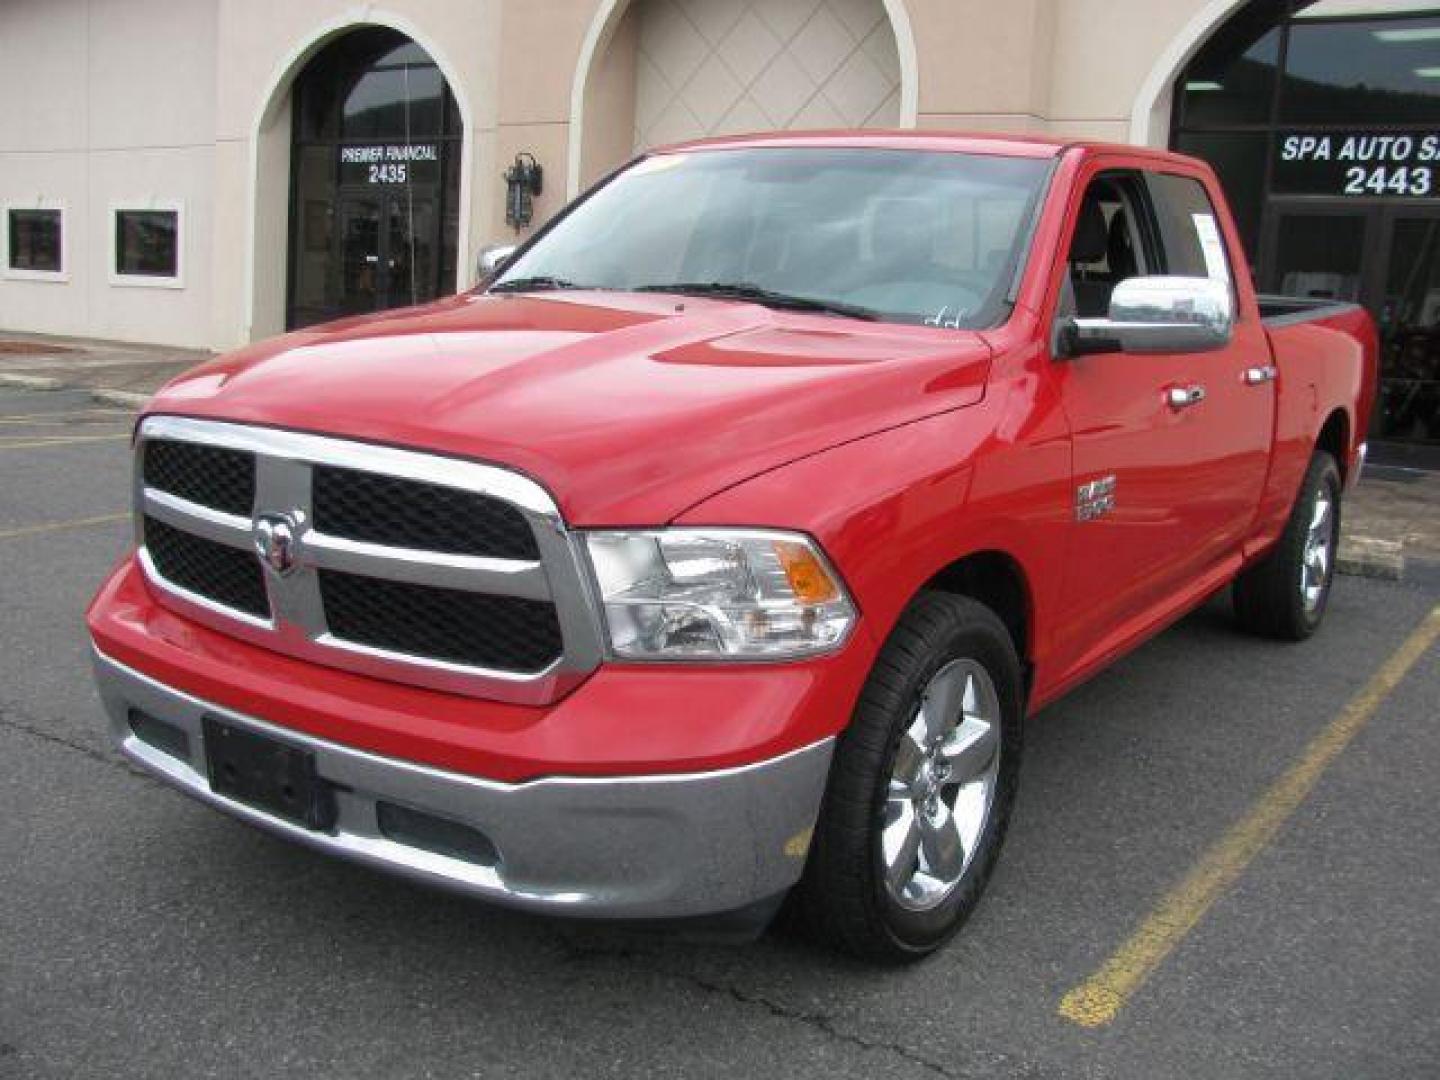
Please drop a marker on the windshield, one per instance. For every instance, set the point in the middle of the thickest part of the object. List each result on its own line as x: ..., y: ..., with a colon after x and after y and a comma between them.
x: 905, y: 236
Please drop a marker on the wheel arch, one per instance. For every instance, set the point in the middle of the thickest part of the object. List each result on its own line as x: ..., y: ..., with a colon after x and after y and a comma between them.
x: 996, y: 579
x: 1334, y: 439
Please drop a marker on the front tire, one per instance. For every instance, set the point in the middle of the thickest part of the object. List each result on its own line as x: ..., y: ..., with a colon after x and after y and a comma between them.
x: 1285, y: 594
x: 921, y: 787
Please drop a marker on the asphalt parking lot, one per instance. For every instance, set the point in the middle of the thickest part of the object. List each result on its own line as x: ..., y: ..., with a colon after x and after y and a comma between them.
x: 144, y: 935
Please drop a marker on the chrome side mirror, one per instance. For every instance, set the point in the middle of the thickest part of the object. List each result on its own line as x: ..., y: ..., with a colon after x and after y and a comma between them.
x: 1159, y: 315
x: 491, y: 261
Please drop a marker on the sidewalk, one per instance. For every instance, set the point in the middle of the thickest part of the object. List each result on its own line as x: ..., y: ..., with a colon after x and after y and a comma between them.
x: 130, y: 372
x: 1393, y: 515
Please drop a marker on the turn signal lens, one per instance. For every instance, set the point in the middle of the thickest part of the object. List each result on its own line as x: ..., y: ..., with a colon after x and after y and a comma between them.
x: 809, y: 581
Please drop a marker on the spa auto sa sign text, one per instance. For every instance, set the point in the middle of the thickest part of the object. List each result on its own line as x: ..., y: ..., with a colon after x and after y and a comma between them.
x: 389, y: 163
x: 1358, y: 164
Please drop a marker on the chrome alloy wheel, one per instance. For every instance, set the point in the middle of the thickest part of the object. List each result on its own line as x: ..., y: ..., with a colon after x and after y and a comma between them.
x: 942, y: 786
x: 1319, y: 552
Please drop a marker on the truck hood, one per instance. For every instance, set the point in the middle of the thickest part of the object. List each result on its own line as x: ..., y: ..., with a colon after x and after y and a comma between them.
x: 629, y: 408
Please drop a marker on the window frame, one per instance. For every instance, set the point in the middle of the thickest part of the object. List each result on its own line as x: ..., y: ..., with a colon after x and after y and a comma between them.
x: 18, y: 273
x: 146, y: 281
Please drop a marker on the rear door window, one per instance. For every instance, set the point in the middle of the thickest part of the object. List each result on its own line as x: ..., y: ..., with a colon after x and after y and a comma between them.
x: 1189, y: 228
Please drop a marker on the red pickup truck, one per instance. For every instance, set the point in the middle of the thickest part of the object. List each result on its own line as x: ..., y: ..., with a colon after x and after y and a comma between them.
x: 717, y: 547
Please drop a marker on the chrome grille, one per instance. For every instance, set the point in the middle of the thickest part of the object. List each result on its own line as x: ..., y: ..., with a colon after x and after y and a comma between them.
x: 409, y: 566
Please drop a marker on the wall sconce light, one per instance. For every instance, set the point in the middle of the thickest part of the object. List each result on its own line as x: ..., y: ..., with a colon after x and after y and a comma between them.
x: 523, y: 181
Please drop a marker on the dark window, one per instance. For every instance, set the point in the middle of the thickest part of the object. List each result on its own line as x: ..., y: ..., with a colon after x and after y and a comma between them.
x: 1320, y: 255
x: 1238, y: 159
x: 373, y: 83
x: 1410, y: 333
x: 1361, y: 71
x: 35, y: 240
x: 1181, y: 206
x: 147, y: 243
x: 1232, y: 79
x: 390, y: 102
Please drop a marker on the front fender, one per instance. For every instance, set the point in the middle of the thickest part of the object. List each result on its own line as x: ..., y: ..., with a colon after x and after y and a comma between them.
x: 894, y: 509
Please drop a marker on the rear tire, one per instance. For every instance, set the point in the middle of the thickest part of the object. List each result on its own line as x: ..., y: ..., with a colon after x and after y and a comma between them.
x: 921, y: 786
x: 1284, y: 595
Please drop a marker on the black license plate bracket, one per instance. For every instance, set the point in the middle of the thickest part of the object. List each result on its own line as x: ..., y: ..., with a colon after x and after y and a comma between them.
x: 267, y: 774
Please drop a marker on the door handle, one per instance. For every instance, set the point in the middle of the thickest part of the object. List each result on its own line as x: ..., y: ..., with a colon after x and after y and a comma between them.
x: 1257, y: 376
x: 1182, y: 397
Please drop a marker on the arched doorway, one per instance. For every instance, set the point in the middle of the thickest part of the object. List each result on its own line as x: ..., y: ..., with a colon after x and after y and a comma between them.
x: 661, y: 71
x: 374, y: 179
x: 1323, y: 121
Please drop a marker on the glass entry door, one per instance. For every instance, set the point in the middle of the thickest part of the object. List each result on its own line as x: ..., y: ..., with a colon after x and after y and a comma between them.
x: 359, y: 264
x: 411, y: 230
x: 1408, y: 312
x: 377, y: 141
x: 1386, y: 257
x: 387, y: 251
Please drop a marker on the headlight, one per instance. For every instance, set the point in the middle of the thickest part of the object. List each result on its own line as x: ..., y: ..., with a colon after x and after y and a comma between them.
x: 717, y: 594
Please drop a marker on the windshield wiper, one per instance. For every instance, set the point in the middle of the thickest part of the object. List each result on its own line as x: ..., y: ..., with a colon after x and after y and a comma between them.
x: 741, y: 290
x: 539, y: 283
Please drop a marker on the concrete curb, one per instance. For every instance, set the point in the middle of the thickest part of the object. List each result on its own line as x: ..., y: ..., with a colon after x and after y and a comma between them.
x: 127, y: 399
x: 30, y: 382
x: 1372, y: 557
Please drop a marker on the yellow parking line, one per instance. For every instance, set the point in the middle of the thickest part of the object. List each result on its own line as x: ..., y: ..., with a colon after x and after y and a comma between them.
x: 36, y: 442
x: 59, y: 526
x: 1097, y: 1000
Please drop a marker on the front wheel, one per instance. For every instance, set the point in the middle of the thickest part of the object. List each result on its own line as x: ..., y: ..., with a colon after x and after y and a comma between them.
x: 1284, y: 595
x: 921, y: 786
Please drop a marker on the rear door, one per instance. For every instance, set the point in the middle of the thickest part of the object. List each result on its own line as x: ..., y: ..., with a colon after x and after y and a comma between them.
x: 1234, y: 424
x: 1164, y: 493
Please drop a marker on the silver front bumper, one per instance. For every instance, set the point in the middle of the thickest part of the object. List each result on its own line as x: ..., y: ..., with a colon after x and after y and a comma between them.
x: 667, y: 846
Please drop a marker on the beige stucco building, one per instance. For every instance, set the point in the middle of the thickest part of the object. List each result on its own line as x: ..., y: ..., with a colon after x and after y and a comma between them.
x: 209, y: 172
x: 187, y: 105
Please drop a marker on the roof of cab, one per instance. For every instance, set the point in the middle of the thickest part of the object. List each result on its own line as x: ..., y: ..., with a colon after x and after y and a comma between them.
x: 1031, y: 146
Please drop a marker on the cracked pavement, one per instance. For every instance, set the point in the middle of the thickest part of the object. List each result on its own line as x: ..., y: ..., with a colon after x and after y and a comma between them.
x: 145, y: 935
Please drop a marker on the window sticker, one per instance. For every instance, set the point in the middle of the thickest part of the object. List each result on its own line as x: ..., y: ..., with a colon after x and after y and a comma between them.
x: 1214, y: 251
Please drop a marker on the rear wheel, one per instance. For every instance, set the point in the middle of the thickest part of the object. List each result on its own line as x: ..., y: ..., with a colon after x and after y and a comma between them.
x: 1284, y: 596
x: 921, y: 787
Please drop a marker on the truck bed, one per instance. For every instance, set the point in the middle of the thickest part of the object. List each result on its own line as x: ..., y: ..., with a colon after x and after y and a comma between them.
x: 1313, y: 344
x: 1278, y: 310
